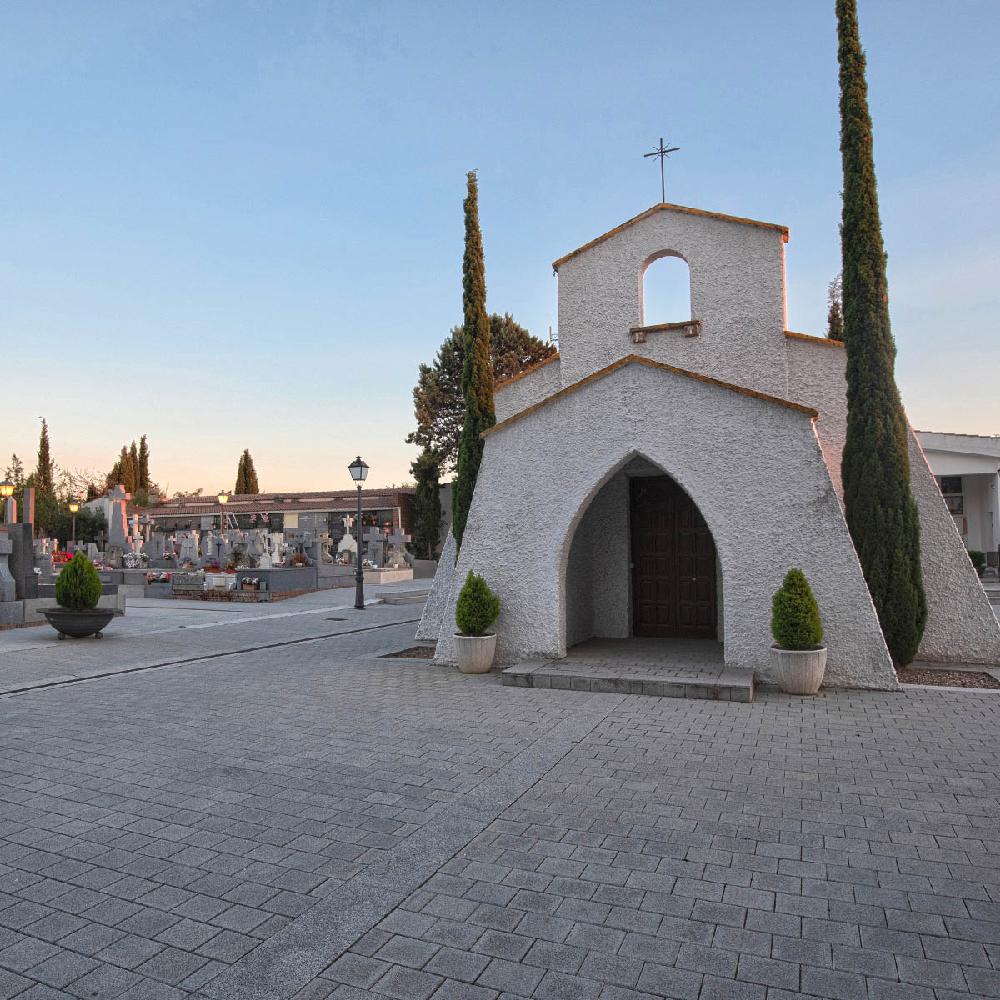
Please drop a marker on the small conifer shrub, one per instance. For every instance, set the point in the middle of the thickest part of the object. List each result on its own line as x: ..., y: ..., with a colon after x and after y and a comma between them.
x: 78, y: 587
x: 795, y: 620
x: 978, y: 560
x: 477, y: 607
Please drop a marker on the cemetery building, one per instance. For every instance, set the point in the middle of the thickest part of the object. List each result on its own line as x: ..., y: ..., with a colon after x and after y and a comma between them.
x: 967, y: 468
x: 661, y: 474
x: 316, y: 512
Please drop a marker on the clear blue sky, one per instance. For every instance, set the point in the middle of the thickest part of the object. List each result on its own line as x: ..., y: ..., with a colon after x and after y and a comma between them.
x: 235, y: 225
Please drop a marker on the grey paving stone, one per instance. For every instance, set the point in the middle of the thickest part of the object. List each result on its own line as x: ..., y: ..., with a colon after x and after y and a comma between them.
x: 510, y: 977
x: 62, y: 969
x: 407, y: 984
x: 106, y: 983
x: 130, y: 951
x: 453, y: 964
x: 661, y: 980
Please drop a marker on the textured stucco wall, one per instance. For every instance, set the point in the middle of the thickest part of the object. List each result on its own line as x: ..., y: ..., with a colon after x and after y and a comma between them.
x: 961, y: 626
x: 755, y: 471
x: 816, y: 377
x: 737, y: 292
x: 527, y: 390
x: 432, y: 620
x: 597, y: 573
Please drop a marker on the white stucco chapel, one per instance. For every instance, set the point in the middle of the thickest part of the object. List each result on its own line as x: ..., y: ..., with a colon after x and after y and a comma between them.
x: 657, y: 479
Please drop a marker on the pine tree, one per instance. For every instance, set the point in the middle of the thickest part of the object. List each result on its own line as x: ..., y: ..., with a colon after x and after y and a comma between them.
x: 438, y: 404
x: 426, y: 505
x: 44, y: 468
x: 15, y: 473
x: 143, y: 464
x: 835, y: 314
x: 477, y: 375
x: 246, y: 474
x: 881, y: 514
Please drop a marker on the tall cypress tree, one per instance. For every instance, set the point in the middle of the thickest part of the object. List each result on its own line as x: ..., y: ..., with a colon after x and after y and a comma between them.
x: 241, y: 475
x: 881, y: 514
x: 44, y: 469
x: 477, y: 374
x: 835, y: 314
x: 143, y: 463
x: 246, y: 474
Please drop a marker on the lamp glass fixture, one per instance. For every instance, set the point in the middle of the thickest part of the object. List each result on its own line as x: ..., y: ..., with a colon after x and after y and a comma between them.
x: 358, y: 470
x: 6, y: 488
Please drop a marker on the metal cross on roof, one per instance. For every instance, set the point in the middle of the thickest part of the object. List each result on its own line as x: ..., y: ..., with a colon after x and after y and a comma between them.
x: 663, y: 152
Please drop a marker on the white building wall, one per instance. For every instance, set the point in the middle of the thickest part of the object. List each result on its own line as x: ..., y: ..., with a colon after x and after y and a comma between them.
x: 755, y: 471
x: 737, y: 293
x: 519, y: 394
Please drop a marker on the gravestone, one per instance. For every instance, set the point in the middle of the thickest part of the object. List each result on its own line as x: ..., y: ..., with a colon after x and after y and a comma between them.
x: 117, y: 518
x: 22, y: 561
x: 28, y: 509
x: 8, y: 589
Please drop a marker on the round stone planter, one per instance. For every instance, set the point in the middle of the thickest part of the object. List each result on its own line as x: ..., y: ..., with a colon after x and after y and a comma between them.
x: 79, y: 624
x: 799, y: 671
x: 474, y: 653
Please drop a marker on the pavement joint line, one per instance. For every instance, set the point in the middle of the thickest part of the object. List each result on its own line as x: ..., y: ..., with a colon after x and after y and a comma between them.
x: 278, y: 968
x: 245, y: 619
x: 63, y: 681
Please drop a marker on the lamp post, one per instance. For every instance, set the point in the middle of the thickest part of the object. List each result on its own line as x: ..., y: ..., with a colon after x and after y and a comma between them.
x: 223, y: 497
x: 74, y: 507
x: 359, y: 472
x: 7, y: 492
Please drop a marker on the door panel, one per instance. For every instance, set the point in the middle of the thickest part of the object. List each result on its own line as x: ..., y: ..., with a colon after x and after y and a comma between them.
x: 673, y: 560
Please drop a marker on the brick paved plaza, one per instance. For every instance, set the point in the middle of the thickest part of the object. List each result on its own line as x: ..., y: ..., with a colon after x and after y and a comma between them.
x: 302, y: 818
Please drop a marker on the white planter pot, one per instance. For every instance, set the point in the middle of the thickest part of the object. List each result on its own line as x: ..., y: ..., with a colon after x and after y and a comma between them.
x: 799, y: 671
x: 475, y: 653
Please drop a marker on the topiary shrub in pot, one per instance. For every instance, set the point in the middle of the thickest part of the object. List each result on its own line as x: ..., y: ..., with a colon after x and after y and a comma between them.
x: 78, y: 589
x: 798, y: 654
x: 476, y: 610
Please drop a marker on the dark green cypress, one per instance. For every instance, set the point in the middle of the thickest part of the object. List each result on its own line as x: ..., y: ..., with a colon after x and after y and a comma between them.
x: 477, y: 374
x: 45, y: 468
x: 881, y: 514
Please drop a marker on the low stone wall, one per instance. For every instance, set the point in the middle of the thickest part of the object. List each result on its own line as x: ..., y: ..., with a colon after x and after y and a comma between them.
x: 424, y: 569
x: 376, y: 576
x: 280, y: 579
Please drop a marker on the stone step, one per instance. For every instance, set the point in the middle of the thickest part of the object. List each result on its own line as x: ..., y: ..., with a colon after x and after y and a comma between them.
x: 406, y: 597
x: 727, y: 684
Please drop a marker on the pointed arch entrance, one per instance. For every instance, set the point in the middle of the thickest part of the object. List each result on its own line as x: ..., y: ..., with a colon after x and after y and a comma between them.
x: 641, y: 562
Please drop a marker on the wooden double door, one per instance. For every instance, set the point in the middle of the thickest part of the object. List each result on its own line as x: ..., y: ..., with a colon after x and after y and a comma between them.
x: 673, y: 562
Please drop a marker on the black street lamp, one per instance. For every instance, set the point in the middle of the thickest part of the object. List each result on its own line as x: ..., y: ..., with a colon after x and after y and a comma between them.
x: 74, y: 507
x: 7, y: 492
x: 359, y: 472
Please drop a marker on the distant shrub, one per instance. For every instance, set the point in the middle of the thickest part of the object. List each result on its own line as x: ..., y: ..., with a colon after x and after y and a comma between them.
x: 978, y: 560
x: 78, y: 587
x: 477, y: 607
x: 795, y: 622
